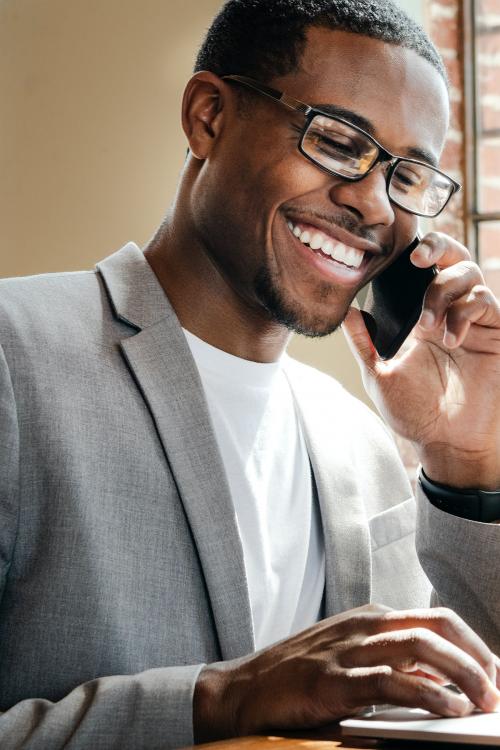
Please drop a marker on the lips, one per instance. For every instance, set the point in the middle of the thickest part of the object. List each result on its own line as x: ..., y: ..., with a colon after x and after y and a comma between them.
x: 341, y: 257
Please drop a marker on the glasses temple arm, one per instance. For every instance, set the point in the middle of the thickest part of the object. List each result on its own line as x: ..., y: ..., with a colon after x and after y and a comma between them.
x: 278, y: 96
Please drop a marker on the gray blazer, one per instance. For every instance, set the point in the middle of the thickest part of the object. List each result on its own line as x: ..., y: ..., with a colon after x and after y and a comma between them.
x: 121, y: 567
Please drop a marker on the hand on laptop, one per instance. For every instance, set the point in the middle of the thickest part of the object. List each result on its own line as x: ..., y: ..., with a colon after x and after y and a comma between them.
x: 368, y: 656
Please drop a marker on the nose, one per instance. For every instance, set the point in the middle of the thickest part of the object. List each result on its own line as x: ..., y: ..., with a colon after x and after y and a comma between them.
x: 367, y: 198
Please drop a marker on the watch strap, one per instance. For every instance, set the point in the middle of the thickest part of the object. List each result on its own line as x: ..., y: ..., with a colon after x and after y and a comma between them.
x: 475, y: 505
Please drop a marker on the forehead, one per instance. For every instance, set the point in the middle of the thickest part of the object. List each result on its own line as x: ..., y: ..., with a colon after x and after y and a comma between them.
x: 398, y: 91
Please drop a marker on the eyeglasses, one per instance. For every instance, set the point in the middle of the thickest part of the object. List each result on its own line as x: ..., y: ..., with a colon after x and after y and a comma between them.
x: 345, y: 150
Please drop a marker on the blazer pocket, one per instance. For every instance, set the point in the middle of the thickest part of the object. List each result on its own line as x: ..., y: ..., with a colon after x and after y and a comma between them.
x: 393, y: 524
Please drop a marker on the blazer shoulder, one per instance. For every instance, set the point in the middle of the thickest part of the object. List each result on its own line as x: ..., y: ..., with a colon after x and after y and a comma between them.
x: 25, y: 291
x: 60, y: 313
x: 48, y: 299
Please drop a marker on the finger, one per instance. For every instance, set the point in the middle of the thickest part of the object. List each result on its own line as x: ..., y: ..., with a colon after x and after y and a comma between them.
x: 448, y: 286
x: 421, y: 649
x: 448, y: 625
x: 439, y: 249
x: 430, y: 673
x: 359, y: 340
x: 382, y: 685
x: 428, y: 676
x: 479, y: 306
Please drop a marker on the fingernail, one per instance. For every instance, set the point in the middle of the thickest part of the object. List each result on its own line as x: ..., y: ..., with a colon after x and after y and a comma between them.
x: 449, y: 339
x: 427, y: 320
x: 425, y: 250
x: 491, y: 700
x: 460, y: 705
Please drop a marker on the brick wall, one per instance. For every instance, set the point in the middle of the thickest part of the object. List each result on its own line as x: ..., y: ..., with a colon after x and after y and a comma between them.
x: 445, y: 25
x: 488, y: 49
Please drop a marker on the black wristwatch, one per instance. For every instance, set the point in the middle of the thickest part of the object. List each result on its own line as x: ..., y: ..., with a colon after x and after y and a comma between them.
x: 475, y: 505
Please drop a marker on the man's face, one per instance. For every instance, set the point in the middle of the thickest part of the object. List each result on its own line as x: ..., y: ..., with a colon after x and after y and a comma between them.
x: 257, y: 188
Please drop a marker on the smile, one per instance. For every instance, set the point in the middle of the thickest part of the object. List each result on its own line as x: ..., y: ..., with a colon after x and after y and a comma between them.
x: 351, y: 257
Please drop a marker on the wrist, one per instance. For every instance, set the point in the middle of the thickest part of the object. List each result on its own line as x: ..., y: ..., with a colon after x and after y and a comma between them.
x: 221, y: 708
x: 212, y: 716
x: 461, y: 470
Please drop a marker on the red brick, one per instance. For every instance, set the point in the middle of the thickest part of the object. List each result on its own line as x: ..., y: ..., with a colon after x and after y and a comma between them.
x: 489, y: 158
x: 452, y: 159
x: 487, y: 6
x: 489, y: 44
x: 489, y: 233
x: 489, y: 198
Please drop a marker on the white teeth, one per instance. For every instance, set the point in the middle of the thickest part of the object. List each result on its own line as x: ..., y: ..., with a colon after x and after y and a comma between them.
x: 340, y: 253
x: 353, y: 257
x: 316, y: 241
x: 349, y: 256
x: 327, y: 247
x: 356, y: 257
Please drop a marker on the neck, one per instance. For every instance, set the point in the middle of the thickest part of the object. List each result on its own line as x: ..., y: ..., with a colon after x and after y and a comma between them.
x: 204, y: 301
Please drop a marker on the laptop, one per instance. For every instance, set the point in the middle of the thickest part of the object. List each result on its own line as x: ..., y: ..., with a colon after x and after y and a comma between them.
x: 416, y: 724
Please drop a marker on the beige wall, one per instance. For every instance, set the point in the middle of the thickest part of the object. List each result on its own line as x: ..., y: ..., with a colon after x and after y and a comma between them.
x: 90, y: 140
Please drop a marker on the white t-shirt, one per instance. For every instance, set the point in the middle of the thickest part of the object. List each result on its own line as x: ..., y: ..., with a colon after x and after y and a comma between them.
x: 268, y: 470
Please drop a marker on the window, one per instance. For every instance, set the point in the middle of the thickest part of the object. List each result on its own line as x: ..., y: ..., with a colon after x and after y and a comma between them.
x: 482, y: 96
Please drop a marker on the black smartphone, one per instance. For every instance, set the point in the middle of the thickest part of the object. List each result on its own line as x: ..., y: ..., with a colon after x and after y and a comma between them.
x: 392, y: 302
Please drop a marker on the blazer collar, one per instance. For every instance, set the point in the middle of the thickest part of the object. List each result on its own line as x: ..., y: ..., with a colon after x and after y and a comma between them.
x: 135, y: 294
x: 163, y: 367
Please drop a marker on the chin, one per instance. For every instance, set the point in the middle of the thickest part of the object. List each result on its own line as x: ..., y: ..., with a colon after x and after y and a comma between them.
x: 293, y: 316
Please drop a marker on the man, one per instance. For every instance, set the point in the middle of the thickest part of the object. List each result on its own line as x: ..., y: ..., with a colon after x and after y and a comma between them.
x: 177, y: 495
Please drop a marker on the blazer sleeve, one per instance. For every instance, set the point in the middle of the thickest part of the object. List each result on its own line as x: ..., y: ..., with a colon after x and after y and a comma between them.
x: 152, y: 709
x: 462, y: 561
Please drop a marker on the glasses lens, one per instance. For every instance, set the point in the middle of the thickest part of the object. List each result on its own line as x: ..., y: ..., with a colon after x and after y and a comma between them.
x: 419, y: 188
x: 338, y: 147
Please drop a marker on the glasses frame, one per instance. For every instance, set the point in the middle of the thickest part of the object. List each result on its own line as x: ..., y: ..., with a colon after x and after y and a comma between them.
x: 382, y: 156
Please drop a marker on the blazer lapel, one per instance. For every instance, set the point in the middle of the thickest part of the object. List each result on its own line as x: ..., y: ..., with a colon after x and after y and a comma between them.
x: 345, y: 528
x: 160, y: 360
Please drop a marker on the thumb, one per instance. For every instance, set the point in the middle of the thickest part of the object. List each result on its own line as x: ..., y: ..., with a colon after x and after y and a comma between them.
x: 359, y: 340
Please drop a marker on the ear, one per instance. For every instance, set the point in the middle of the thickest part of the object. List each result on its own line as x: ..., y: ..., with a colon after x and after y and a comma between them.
x: 202, y: 112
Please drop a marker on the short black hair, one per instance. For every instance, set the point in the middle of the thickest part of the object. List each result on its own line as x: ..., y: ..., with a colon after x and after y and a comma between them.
x: 264, y: 39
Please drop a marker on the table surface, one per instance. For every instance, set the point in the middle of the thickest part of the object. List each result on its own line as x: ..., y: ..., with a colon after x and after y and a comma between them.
x: 325, y: 739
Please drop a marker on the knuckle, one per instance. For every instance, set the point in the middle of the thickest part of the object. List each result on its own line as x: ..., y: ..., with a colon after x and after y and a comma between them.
x: 445, y: 616
x: 469, y: 266
x: 361, y: 621
x: 417, y: 638
x: 482, y: 294
x: 435, y: 238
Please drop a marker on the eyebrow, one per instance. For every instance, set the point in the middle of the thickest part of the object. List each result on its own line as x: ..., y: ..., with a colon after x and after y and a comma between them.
x: 415, y: 152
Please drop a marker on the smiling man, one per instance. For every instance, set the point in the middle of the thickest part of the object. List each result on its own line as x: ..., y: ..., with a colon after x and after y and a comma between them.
x: 200, y: 537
